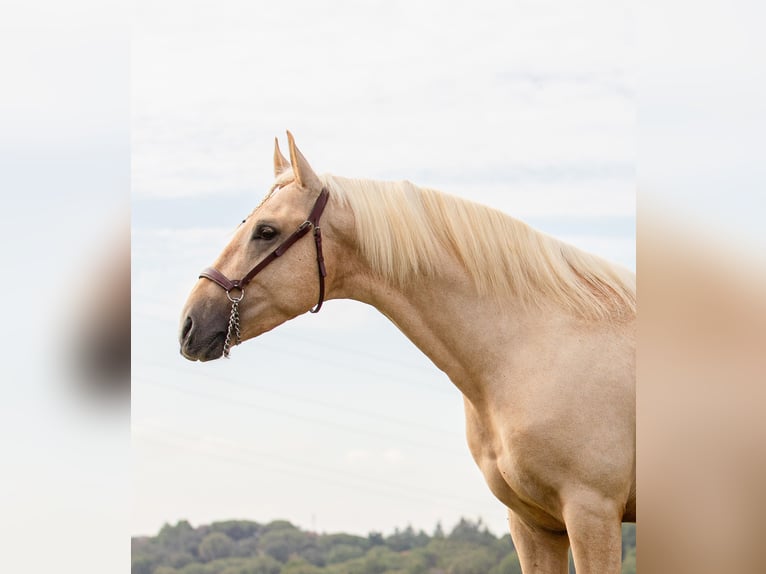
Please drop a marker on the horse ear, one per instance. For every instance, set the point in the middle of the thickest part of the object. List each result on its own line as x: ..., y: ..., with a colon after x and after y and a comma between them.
x: 280, y: 163
x: 304, y: 175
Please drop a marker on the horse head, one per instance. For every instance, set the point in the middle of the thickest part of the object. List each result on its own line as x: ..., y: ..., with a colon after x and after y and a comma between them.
x: 244, y: 294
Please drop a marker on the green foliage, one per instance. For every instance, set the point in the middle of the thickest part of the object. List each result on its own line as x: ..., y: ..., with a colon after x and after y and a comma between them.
x: 256, y: 565
x: 215, y: 546
x: 298, y: 565
x: 474, y: 532
x: 179, y: 560
x: 246, y: 547
x: 179, y: 538
x: 343, y: 553
x: 283, y: 543
x: 439, y: 531
x: 629, y: 562
x: 420, y: 561
x: 141, y: 564
x: 337, y: 548
x: 508, y: 565
x: 236, y: 529
x: 400, y: 541
x: 263, y: 565
x: 376, y: 539
x: 278, y: 525
x: 477, y: 560
x: 628, y: 538
x: 381, y: 559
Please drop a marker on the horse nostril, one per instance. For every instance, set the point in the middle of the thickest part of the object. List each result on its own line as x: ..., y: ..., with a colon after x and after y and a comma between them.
x: 186, y: 328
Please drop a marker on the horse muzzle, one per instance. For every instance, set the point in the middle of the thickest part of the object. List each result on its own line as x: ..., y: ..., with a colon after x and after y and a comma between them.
x: 200, y: 341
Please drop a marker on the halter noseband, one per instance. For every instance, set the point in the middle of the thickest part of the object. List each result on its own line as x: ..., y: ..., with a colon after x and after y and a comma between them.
x: 312, y: 221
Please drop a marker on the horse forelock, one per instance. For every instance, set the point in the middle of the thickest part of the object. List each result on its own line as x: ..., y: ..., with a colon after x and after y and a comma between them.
x: 403, y: 230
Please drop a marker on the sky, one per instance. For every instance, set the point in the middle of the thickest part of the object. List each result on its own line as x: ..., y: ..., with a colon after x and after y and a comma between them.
x: 528, y: 107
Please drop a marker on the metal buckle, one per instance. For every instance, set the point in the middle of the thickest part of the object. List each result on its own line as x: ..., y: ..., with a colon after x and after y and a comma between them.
x: 242, y: 294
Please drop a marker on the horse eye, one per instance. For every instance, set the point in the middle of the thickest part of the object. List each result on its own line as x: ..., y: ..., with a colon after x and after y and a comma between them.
x: 265, y: 232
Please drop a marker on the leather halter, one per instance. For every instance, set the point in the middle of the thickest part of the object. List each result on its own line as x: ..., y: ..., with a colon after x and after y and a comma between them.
x: 312, y: 221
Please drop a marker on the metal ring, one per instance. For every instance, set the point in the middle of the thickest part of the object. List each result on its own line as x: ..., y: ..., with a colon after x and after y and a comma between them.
x: 228, y: 294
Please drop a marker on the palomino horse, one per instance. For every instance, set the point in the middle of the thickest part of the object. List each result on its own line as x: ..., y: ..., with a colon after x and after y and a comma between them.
x: 536, y: 334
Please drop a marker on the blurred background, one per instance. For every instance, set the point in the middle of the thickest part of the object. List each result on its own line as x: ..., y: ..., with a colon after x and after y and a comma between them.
x: 529, y: 107
x: 65, y: 182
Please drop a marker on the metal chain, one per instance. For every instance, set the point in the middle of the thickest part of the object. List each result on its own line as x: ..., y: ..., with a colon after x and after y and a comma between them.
x: 233, y: 328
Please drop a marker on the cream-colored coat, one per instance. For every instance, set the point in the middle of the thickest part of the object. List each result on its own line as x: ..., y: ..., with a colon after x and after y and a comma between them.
x: 546, y: 362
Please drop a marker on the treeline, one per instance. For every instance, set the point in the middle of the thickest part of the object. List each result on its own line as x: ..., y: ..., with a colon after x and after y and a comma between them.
x: 245, y: 547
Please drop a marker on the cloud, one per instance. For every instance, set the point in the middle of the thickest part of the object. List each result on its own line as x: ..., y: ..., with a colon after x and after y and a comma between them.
x: 457, y: 91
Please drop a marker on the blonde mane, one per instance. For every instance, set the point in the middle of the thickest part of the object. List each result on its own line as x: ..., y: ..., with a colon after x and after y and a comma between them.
x: 403, y: 231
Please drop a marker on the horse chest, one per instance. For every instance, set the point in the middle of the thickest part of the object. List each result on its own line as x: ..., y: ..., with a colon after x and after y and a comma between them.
x: 514, y: 477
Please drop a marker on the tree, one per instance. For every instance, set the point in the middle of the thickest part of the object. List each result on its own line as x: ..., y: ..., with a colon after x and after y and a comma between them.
x: 263, y: 565
x: 312, y: 554
x: 245, y: 547
x: 478, y: 560
x: 420, y: 561
x: 343, y: 553
x: 475, y: 532
x: 381, y: 559
x: 508, y: 565
x: 400, y: 541
x: 258, y: 565
x: 236, y: 529
x: 298, y: 565
x: 179, y: 538
x: 179, y: 559
x: 278, y: 525
x: 628, y: 538
x: 141, y: 564
x: 439, y: 531
x: 331, y: 540
x: 376, y: 539
x: 215, y: 546
x: 629, y: 563
x: 282, y: 543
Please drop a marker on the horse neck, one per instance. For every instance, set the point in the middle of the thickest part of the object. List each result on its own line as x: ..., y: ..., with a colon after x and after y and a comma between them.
x: 442, y: 314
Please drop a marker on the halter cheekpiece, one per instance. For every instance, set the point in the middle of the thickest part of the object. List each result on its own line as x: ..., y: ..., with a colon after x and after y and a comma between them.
x: 312, y: 222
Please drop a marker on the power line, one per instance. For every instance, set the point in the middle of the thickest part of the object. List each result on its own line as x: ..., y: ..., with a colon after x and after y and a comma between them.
x: 283, y: 413
x: 387, y: 360
x: 305, y: 470
x: 255, y: 386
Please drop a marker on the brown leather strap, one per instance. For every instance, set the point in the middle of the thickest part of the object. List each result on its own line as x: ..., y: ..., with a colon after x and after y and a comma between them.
x: 320, y: 266
x: 278, y: 252
x: 217, y: 277
x: 311, y: 222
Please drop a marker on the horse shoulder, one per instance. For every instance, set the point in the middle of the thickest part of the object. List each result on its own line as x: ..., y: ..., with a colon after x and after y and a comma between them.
x: 561, y: 418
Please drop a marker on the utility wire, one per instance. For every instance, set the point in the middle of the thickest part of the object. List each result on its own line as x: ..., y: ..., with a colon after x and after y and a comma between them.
x: 260, y: 407
x: 387, y: 360
x: 304, y: 470
x: 255, y: 386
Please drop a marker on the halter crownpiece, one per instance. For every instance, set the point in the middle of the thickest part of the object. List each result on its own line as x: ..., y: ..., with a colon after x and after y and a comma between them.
x: 312, y: 222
